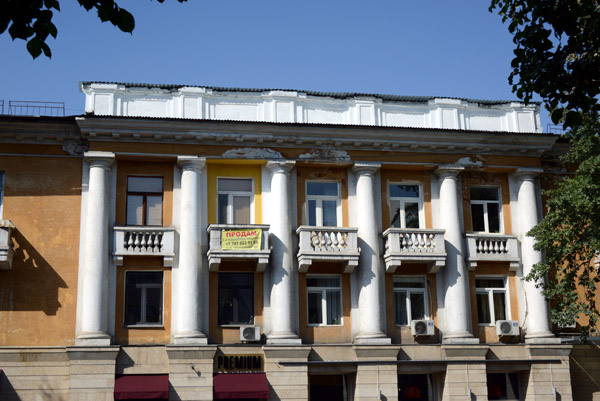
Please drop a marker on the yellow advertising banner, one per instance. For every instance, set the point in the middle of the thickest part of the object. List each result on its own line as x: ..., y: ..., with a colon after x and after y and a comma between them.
x: 241, y: 239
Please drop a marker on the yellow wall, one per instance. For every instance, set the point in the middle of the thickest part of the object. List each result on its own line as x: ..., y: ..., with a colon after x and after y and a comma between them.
x: 38, y: 297
x: 216, y: 170
x: 325, y: 334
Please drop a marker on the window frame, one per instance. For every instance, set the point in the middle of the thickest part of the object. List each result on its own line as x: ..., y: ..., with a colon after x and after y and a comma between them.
x: 230, y: 195
x: 2, y: 175
x: 143, y: 323
x: 403, y: 200
x: 144, y: 200
x: 323, y: 291
x: 490, y: 292
x: 235, y: 288
x: 408, y: 291
x: 486, y: 220
x: 319, y: 203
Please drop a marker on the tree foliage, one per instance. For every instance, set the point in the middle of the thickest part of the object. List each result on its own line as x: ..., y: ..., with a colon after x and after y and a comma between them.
x: 557, y: 54
x: 570, y: 233
x: 31, y: 20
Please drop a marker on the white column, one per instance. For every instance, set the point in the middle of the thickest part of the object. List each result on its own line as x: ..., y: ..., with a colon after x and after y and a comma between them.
x: 189, y: 299
x: 283, y: 308
x: 457, y: 308
x: 537, y: 324
x: 94, y: 305
x: 370, y: 270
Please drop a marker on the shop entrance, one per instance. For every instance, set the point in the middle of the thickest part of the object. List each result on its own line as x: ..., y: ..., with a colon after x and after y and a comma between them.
x: 415, y: 388
x: 327, y: 388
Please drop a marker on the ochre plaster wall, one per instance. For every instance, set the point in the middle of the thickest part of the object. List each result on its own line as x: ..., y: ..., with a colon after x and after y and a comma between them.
x: 324, y: 173
x: 231, y: 334
x: 38, y: 297
x: 147, y: 335
x: 487, y: 334
x: 402, y: 334
x: 341, y: 334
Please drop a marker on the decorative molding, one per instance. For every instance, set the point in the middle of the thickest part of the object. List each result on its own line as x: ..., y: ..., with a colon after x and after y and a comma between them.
x: 252, y: 153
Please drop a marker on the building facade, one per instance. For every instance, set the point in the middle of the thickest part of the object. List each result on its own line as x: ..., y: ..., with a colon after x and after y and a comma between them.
x: 196, y: 243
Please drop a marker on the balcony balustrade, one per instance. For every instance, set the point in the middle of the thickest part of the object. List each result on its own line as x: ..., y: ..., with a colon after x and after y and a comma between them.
x: 7, y: 251
x: 414, y: 245
x: 328, y: 244
x: 483, y: 247
x: 144, y: 241
x: 250, y: 242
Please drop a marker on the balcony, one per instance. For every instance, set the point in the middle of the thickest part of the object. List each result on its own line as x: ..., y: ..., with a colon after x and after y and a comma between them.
x: 483, y: 247
x: 144, y: 241
x: 414, y: 245
x: 238, y: 242
x: 7, y: 251
x: 328, y: 244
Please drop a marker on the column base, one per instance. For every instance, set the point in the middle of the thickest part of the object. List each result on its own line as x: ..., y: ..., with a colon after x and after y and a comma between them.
x: 541, y: 337
x: 372, y: 339
x: 93, y: 339
x: 288, y: 338
x: 460, y: 337
x: 190, y: 338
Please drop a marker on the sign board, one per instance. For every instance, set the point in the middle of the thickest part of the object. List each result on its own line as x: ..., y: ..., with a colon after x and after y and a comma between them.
x: 241, y: 239
x: 227, y: 363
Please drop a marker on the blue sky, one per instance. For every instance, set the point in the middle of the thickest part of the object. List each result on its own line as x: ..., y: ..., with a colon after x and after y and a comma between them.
x: 404, y: 47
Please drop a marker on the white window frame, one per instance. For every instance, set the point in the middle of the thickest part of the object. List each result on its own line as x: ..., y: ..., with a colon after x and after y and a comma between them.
x: 406, y: 199
x: 408, y: 292
x: 490, y: 292
x: 486, y: 220
x: 319, y: 203
x: 323, y: 291
x: 231, y: 194
x: 143, y: 323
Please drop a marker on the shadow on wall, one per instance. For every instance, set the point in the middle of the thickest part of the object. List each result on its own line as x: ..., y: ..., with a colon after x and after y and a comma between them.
x: 32, y: 284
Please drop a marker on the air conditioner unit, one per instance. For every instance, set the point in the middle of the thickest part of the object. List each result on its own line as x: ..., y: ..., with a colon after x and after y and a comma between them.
x: 507, y: 328
x: 422, y: 327
x: 250, y: 333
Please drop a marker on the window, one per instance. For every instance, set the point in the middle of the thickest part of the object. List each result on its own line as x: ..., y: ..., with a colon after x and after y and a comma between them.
x: 503, y: 386
x: 236, y: 298
x: 143, y: 298
x: 144, y: 201
x: 324, y: 300
x: 234, y: 200
x: 485, y: 209
x: 323, y: 203
x: 415, y: 387
x: 406, y: 205
x: 409, y: 299
x: 491, y: 299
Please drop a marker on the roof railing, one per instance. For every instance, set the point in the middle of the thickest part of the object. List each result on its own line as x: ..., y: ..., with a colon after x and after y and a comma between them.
x: 33, y: 108
x: 555, y: 129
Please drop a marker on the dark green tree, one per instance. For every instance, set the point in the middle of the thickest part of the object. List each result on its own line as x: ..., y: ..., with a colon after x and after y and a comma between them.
x: 31, y: 20
x: 557, y: 54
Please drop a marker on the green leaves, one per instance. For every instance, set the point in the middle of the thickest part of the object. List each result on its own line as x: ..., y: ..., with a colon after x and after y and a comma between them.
x: 557, y: 54
x: 31, y: 20
x: 570, y: 233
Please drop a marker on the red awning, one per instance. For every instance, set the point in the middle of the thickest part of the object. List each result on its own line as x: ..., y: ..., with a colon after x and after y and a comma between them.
x: 241, y: 385
x: 142, y: 387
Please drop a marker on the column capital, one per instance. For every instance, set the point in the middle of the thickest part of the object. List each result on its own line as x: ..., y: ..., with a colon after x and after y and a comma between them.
x: 445, y: 170
x: 528, y: 173
x: 281, y: 166
x: 366, y: 168
x: 100, y: 159
x: 191, y: 162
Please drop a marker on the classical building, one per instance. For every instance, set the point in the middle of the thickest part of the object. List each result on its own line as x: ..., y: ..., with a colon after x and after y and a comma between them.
x: 199, y: 243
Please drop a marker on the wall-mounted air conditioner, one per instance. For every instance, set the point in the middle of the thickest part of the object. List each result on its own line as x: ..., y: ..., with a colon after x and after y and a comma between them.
x: 422, y: 327
x: 250, y: 333
x: 507, y: 328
